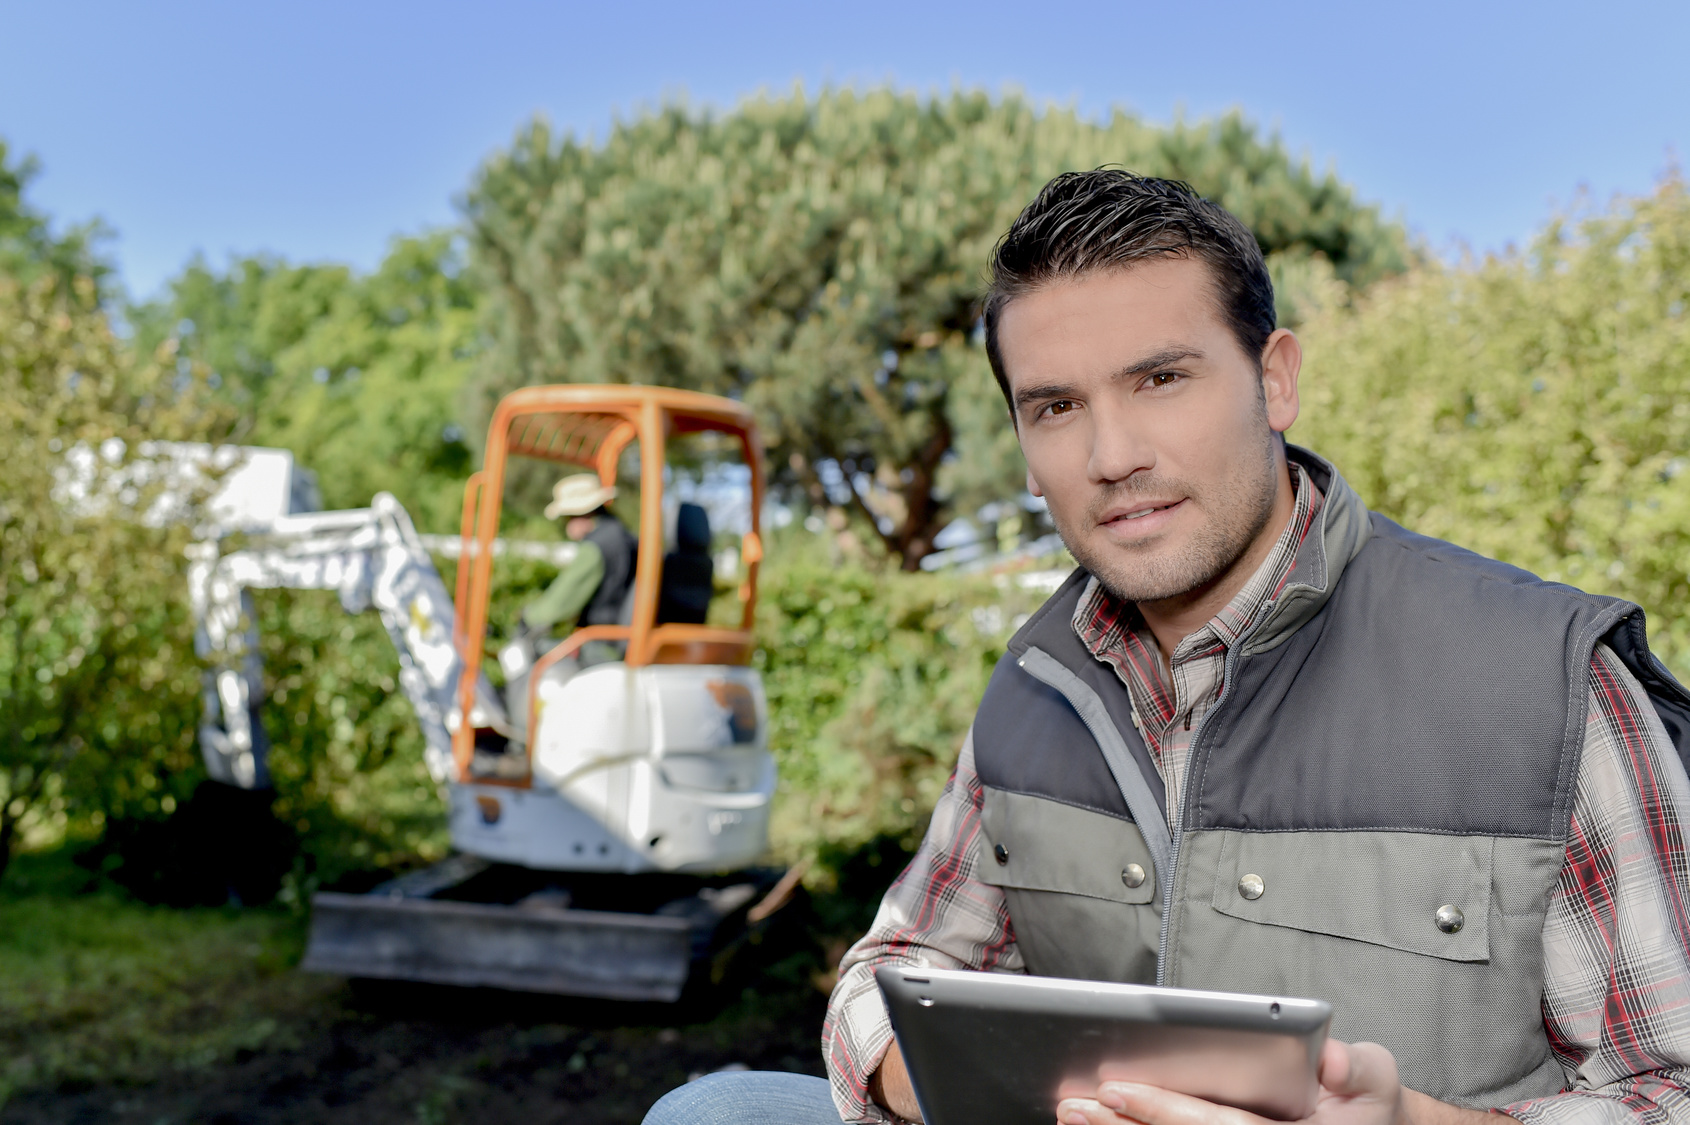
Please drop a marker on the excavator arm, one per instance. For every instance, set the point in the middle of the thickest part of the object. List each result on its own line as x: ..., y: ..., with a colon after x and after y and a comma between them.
x: 374, y: 558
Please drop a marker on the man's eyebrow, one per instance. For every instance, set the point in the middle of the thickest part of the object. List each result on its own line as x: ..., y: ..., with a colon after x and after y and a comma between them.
x: 1167, y: 357
x: 1043, y: 392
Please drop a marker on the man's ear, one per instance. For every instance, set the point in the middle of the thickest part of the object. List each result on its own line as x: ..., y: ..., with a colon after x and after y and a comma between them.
x: 1282, y: 361
x: 1033, y: 485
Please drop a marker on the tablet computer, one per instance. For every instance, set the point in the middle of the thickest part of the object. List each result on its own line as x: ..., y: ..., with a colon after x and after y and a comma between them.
x: 1007, y: 1048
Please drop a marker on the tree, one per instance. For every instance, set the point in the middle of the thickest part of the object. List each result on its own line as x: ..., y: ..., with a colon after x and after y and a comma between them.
x: 91, y: 654
x: 361, y: 377
x: 1533, y: 407
x: 98, y: 682
x: 823, y: 259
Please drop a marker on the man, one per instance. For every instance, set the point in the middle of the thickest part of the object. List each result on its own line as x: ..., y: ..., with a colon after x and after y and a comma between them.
x: 1267, y: 741
x: 592, y: 587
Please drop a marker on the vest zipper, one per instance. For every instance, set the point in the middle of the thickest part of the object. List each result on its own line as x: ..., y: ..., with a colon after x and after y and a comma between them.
x: 1176, y: 830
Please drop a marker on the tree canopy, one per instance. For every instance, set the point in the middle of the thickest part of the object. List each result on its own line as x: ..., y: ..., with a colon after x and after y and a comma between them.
x: 360, y: 376
x: 823, y: 259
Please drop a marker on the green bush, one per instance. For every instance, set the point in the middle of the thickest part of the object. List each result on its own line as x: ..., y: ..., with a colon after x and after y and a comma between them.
x: 1533, y: 407
x: 872, y: 677
x: 346, y: 753
x: 96, y: 653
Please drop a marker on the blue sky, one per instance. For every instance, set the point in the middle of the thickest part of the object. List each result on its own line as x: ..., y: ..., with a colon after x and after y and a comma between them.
x: 319, y: 131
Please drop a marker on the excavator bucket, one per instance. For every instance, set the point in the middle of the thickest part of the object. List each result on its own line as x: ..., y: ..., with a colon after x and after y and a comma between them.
x: 630, y: 937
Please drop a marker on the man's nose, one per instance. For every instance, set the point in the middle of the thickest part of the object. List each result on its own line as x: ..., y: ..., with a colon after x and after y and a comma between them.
x: 1119, y: 446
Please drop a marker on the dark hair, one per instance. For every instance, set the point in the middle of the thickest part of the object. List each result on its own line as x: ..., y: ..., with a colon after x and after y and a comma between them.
x: 1108, y: 219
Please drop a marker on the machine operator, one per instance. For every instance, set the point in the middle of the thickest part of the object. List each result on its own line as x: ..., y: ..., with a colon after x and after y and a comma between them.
x: 592, y: 588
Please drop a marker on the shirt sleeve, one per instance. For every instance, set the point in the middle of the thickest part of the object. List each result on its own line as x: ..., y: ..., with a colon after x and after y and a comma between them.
x: 570, y: 591
x: 937, y: 914
x: 1616, y: 998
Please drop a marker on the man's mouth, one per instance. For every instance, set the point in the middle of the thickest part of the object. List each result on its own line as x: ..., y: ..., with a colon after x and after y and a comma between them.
x: 1142, y: 515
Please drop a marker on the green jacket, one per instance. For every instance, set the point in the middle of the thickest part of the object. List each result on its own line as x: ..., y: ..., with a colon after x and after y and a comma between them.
x: 569, y: 592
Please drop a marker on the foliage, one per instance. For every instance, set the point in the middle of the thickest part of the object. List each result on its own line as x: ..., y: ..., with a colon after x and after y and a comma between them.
x: 823, y: 259
x: 1533, y: 407
x: 102, y: 685
x: 359, y: 376
x: 100, y: 694
x: 872, y: 679
x: 346, y: 752
x: 29, y: 250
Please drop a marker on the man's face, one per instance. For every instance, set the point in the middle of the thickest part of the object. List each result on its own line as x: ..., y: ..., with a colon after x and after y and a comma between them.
x: 579, y: 527
x: 1146, y: 428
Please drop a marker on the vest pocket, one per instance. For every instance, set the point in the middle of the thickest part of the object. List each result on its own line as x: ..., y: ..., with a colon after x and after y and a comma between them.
x: 1034, y: 843
x: 1417, y: 892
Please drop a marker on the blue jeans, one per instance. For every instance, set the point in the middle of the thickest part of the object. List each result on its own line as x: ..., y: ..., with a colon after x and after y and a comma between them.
x: 751, y: 1097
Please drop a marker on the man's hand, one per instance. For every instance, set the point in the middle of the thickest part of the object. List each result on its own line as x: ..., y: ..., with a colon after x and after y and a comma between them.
x: 889, y: 1086
x: 1358, y: 1086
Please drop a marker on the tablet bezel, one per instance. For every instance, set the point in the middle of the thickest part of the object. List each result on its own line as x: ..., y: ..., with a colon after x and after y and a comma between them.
x: 958, y: 1030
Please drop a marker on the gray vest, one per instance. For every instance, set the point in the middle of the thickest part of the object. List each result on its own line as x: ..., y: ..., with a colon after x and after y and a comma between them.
x: 618, y: 546
x: 1399, y: 735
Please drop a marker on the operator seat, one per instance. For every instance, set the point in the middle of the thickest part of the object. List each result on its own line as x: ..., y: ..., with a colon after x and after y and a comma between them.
x: 683, y: 596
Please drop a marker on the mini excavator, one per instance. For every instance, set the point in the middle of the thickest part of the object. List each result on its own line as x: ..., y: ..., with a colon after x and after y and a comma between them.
x: 604, y: 842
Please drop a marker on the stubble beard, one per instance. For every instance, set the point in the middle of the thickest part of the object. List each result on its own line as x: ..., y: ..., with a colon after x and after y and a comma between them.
x: 1238, y: 508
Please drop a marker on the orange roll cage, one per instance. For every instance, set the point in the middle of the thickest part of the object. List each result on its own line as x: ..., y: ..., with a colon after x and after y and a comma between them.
x: 590, y: 426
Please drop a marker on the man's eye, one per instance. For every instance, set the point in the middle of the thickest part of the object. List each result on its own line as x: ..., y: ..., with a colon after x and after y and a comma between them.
x: 1164, y: 378
x: 1061, y: 406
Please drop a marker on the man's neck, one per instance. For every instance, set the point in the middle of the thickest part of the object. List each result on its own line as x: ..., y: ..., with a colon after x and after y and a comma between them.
x: 1171, y: 620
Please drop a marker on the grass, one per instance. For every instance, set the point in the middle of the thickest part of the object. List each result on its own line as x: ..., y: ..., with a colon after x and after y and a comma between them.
x: 96, y: 988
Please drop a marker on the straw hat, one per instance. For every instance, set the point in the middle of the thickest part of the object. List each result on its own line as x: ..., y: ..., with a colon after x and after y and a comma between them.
x: 579, y: 495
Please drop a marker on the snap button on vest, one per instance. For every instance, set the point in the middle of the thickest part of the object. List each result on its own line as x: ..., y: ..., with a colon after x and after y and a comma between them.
x: 1251, y: 887
x: 1449, y: 919
x: 1000, y: 853
x: 1132, y: 875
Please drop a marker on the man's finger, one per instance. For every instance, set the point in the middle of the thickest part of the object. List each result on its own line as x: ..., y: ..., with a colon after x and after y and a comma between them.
x: 1153, y: 1105
x: 1085, y: 1111
x: 1358, y: 1069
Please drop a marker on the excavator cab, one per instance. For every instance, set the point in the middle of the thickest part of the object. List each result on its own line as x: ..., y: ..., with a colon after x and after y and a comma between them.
x: 655, y: 759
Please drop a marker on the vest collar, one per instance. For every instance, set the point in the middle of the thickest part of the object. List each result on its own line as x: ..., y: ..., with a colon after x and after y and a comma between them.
x: 1340, y: 530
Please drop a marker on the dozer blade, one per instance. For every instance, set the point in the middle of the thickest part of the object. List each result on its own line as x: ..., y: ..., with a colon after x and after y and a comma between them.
x: 573, y: 952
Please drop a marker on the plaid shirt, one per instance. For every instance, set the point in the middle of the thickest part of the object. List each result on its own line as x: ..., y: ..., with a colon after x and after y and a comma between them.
x: 1616, y: 994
